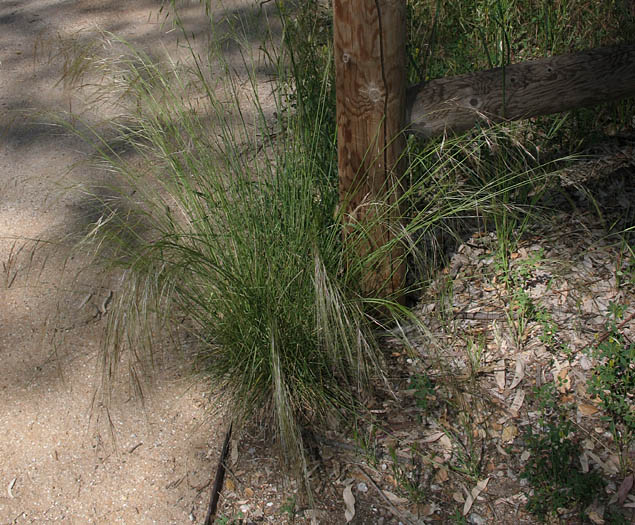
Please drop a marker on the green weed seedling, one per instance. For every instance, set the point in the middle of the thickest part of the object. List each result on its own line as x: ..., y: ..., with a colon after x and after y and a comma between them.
x: 226, y: 520
x: 613, y: 383
x: 474, y: 350
x: 289, y: 507
x: 366, y: 438
x: 458, y: 518
x: 523, y: 308
x: 553, y: 469
x: 525, y: 311
x: 424, y: 390
x: 625, y: 273
x: 549, y: 327
x: 408, y: 481
x: 469, y: 452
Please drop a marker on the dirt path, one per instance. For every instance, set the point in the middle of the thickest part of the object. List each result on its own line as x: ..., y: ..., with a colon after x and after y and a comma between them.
x: 56, y: 464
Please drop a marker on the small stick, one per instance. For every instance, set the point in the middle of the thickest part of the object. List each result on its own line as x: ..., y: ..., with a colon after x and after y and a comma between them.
x: 609, y: 332
x: 479, y: 316
x: 135, y: 447
x: 395, y: 511
x: 219, y: 479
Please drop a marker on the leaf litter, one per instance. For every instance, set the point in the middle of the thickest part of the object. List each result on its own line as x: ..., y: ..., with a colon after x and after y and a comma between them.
x: 449, y: 434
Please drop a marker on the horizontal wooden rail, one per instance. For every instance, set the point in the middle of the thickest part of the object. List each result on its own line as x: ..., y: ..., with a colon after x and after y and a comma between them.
x: 524, y: 90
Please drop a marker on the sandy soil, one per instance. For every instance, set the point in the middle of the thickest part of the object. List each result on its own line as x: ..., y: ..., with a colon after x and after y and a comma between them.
x: 57, y: 463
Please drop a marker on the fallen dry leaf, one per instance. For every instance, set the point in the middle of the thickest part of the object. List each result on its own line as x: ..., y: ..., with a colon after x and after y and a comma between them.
x: 595, y: 512
x: 234, y: 452
x: 519, y: 373
x: 564, y: 381
x: 314, y: 515
x: 589, y: 306
x: 587, y: 410
x: 10, y: 487
x: 349, y: 502
x: 584, y: 462
x: 446, y: 445
x: 441, y: 476
x: 458, y: 497
x: 499, y: 375
x: 394, y: 499
x: 625, y: 488
x: 607, y: 466
x: 435, y: 436
x: 429, y: 509
x: 469, y: 501
x: 595, y: 517
x: 613, y: 462
x: 509, y: 433
x: 517, y: 403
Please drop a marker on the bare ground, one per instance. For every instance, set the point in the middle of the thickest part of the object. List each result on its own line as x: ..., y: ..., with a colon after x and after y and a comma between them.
x: 57, y: 464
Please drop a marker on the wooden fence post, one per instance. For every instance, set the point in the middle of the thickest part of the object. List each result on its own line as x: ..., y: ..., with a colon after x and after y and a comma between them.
x: 370, y: 69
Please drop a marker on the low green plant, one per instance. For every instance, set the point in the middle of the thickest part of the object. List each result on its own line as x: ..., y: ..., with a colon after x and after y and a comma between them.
x: 409, y: 481
x: 289, y: 507
x: 613, y: 384
x: 474, y: 349
x: 523, y: 309
x: 549, y: 327
x: 423, y: 386
x: 469, y: 451
x: 365, y: 435
x: 522, y: 312
x: 458, y: 518
x: 615, y: 516
x: 228, y: 520
x: 526, y: 267
x: 553, y: 468
x: 625, y: 266
x: 216, y: 215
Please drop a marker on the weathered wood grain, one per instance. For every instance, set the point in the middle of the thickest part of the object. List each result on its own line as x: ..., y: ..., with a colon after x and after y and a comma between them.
x: 518, y: 91
x: 370, y: 66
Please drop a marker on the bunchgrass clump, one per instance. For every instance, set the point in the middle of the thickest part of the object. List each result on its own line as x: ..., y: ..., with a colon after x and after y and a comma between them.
x: 210, y: 219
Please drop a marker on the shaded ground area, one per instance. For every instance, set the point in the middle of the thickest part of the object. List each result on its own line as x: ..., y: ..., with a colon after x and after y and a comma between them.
x: 56, y: 463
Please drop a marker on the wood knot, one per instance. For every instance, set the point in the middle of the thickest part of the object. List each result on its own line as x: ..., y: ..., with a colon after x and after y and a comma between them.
x: 373, y: 93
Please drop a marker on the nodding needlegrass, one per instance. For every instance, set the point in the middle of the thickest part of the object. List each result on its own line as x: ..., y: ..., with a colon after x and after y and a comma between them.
x: 237, y: 232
